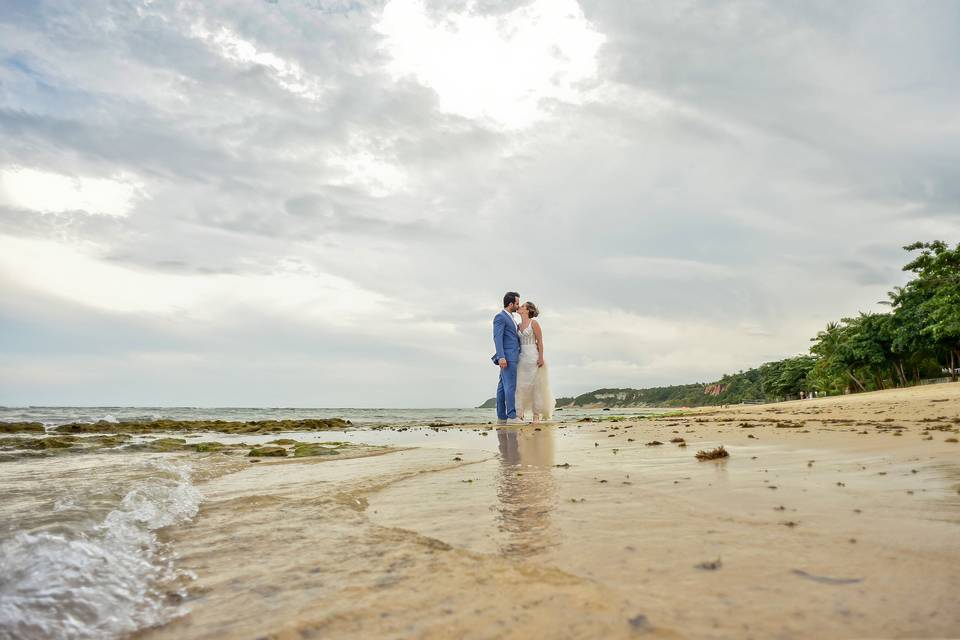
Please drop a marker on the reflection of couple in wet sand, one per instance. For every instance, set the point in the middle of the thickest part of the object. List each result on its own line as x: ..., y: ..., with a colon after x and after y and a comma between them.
x: 524, y: 388
x: 526, y: 490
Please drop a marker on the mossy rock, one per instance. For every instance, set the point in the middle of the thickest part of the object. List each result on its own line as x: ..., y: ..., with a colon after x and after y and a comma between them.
x: 52, y: 442
x: 84, y: 427
x: 284, y: 441
x: 268, y: 451
x: 305, y: 450
x: 39, y: 444
x: 208, y: 447
x: 21, y: 427
x: 221, y: 426
x: 109, y: 441
x: 167, y: 444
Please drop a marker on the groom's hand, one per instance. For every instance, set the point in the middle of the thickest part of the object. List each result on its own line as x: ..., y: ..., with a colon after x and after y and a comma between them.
x: 503, y: 363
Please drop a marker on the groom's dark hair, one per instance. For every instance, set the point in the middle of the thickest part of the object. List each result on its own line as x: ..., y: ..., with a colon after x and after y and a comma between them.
x: 508, y: 297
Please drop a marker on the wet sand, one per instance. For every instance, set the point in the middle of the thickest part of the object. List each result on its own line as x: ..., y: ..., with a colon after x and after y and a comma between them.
x: 824, y: 523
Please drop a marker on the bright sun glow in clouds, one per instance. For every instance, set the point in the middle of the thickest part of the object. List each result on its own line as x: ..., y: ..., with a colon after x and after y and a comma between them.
x: 496, y: 67
x: 47, y: 192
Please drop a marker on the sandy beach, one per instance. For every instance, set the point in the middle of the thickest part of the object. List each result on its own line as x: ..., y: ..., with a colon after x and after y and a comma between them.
x: 835, y: 517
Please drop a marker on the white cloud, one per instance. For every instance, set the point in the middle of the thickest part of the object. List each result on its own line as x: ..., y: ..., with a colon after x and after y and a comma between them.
x: 286, y: 73
x: 661, y: 268
x: 496, y: 67
x: 50, y: 192
x: 77, y: 274
x: 361, y: 163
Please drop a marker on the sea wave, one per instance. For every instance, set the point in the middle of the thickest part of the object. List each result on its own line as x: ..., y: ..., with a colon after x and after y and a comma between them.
x: 104, y: 578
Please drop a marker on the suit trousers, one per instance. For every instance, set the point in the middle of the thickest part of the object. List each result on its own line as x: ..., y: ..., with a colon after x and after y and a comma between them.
x: 507, y: 392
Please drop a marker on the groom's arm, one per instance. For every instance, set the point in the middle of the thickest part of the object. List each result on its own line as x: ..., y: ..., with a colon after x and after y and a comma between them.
x: 498, y: 337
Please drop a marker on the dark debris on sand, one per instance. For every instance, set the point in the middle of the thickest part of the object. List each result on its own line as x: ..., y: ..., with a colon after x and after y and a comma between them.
x: 713, y: 454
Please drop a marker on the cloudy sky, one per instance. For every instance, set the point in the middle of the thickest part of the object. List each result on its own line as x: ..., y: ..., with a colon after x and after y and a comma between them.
x: 322, y: 202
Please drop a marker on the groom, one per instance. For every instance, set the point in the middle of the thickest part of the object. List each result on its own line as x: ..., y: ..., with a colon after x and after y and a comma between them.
x: 507, y: 343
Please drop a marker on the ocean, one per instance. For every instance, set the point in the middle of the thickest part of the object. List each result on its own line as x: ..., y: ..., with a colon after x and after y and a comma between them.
x: 53, y: 416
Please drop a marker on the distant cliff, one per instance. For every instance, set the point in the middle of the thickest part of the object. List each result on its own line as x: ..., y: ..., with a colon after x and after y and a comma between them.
x: 602, y: 398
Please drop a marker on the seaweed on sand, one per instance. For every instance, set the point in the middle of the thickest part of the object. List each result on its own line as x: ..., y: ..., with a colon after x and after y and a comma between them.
x: 713, y: 454
x: 711, y: 565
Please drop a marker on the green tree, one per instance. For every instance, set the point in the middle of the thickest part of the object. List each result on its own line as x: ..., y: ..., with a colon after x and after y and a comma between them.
x: 832, y: 370
x: 937, y: 281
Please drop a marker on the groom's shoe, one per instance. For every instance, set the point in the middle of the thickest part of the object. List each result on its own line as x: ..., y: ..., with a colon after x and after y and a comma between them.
x: 501, y: 422
x: 514, y: 421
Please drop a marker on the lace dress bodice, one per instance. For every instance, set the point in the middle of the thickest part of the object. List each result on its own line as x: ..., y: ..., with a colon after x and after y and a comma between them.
x: 527, y: 339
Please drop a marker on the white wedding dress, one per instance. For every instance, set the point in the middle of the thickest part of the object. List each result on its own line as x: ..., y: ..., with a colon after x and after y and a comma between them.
x: 534, y: 396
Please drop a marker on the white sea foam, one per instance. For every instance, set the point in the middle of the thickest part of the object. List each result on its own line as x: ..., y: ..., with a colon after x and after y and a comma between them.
x: 102, y: 580
x: 109, y: 418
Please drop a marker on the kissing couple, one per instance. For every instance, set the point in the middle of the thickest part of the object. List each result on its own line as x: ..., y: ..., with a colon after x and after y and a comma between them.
x: 524, y: 387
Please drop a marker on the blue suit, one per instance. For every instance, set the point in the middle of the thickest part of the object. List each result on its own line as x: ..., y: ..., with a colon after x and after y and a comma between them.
x: 506, y: 340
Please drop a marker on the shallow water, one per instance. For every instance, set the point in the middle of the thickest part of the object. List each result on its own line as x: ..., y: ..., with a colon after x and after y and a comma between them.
x: 80, y: 555
x: 505, y: 543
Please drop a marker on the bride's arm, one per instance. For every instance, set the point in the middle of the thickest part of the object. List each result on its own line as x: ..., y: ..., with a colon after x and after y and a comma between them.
x: 538, y: 334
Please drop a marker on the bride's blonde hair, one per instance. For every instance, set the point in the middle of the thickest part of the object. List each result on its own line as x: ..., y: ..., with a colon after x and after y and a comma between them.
x: 532, y: 309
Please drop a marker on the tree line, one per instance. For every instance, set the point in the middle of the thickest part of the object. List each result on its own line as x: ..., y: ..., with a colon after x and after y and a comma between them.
x: 918, y: 338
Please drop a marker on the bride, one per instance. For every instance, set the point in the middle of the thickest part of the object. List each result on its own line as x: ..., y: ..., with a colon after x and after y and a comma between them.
x: 533, y: 384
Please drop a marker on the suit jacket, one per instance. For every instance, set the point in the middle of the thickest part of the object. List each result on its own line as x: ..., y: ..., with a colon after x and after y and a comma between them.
x: 506, y: 340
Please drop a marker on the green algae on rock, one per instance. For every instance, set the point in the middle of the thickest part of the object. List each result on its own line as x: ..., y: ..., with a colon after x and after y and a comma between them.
x: 268, y: 451
x: 55, y: 442
x: 29, y: 445
x: 208, y: 447
x: 112, y: 440
x: 221, y: 426
x: 39, y: 444
x: 19, y: 427
x: 305, y: 449
x: 165, y: 444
